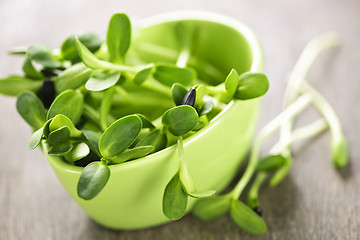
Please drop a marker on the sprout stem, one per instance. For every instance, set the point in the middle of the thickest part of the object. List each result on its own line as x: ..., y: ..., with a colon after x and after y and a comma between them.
x: 294, y: 109
x: 308, y: 131
x: 301, y: 69
x: 339, y: 148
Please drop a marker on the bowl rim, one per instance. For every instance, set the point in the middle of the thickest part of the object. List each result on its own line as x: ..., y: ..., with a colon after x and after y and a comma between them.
x: 256, y: 65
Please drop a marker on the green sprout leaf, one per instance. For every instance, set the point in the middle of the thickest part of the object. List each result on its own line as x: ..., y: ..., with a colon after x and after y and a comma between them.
x: 180, y: 120
x: 93, y: 139
x: 143, y: 74
x: 146, y: 123
x: 119, y: 136
x: 132, y: 153
x: 14, y: 85
x: 79, y: 151
x: 118, y: 37
x: 154, y: 138
x: 174, y: 199
x: 43, y: 56
x: 88, y: 58
x: 92, y: 180
x: 206, y: 108
x: 31, y: 109
x: 30, y: 71
x: 178, y: 93
x: 69, y: 103
x: 72, y: 77
x: 251, y: 85
x: 35, y: 139
x: 46, y: 128
x: 168, y: 74
x: 60, y: 149
x: 102, y: 80
x: 231, y: 82
x: 271, y: 163
x: 59, y: 136
x: 68, y: 47
x: 212, y: 207
x: 61, y: 120
x: 246, y: 218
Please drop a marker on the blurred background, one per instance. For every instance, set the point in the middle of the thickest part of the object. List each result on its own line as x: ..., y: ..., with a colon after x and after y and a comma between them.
x: 313, y: 202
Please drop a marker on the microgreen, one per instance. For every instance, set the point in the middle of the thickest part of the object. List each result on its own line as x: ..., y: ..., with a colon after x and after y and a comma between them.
x: 179, y: 188
x: 79, y: 151
x: 92, y: 180
x: 68, y: 48
x: 60, y: 149
x: 206, y: 108
x: 231, y: 82
x: 180, y: 120
x: 72, y: 77
x: 212, y: 207
x: 59, y: 136
x: 246, y: 218
x: 43, y: 56
x: 168, y: 74
x: 146, y: 123
x: 271, y: 163
x: 143, y: 74
x: 35, y: 139
x: 119, y: 136
x: 69, y: 103
x: 61, y: 120
x: 15, y: 85
x: 93, y: 138
x: 178, y: 93
x: 118, y: 37
x: 251, y: 85
x: 102, y: 80
x: 30, y: 71
x: 132, y: 153
x: 31, y: 109
x: 154, y: 138
x: 175, y: 199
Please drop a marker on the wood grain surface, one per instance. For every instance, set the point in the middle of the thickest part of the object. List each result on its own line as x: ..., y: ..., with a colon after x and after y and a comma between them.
x: 313, y: 202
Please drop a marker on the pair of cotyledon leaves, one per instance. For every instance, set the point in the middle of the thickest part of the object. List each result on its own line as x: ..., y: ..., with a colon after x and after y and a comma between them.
x: 33, y: 79
x: 44, y: 57
x: 248, y: 85
x: 107, y: 74
x: 179, y: 188
x: 243, y: 216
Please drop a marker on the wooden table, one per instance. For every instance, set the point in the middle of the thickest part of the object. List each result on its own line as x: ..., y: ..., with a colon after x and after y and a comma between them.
x: 313, y: 202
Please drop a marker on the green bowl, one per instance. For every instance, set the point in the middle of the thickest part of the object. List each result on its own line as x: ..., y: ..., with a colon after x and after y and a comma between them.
x: 132, y: 198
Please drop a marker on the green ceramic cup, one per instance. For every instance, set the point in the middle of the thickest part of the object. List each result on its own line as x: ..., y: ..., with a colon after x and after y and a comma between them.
x: 132, y: 198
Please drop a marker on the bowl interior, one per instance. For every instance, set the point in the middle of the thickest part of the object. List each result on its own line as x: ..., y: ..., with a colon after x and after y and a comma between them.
x: 216, y: 47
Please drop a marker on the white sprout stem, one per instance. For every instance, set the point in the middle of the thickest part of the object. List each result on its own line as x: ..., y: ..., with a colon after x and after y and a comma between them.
x: 185, y: 177
x: 183, y: 58
x: 325, y: 109
x: 294, y: 109
x: 308, y: 131
x: 305, y: 132
x: 301, y: 69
